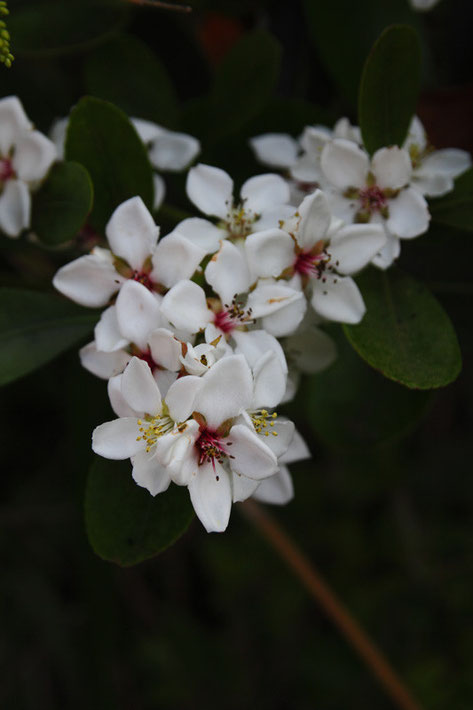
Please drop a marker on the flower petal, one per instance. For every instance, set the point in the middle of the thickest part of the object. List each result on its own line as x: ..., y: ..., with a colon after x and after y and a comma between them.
x: 159, y: 187
x: 269, y: 252
x: 278, y: 436
x: 185, y: 306
x: 138, y: 313
x: 353, y: 247
x: 117, y: 401
x: 227, y: 272
x: 175, y: 258
x: 34, y: 155
x: 147, y: 130
x: 117, y: 439
x: 408, y: 214
x: 264, y: 191
x: 344, y: 164
x: 243, y: 487
x: 250, y: 455
x: 269, y: 381
x: 227, y: 389
x: 166, y: 349
x: 103, y: 364
x: 211, y: 495
x: 139, y: 388
x: 210, y: 189
x: 315, y: 219
x: 108, y: 337
x: 312, y: 350
x: 338, y: 299
x: 277, y: 489
x: 391, y: 250
x: 148, y: 472
x: 201, y: 233
x: 391, y: 167
x: 14, y: 122
x: 173, y: 151
x: 132, y: 233
x: 181, y: 395
x: 279, y: 150
x: 15, y: 207
x: 89, y: 280
x: 254, y: 343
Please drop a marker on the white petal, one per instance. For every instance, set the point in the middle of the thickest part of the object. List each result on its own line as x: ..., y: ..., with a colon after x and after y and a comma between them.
x: 269, y: 381
x: 14, y: 122
x: 311, y: 350
x: 314, y: 139
x: 297, y: 450
x: 159, y: 191
x: 408, y: 214
x: 174, y: 259
x: 103, y: 364
x: 138, y: 313
x: 202, y: 233
x: 391, y: 167
x: 391, y: 250
x: 173, y: 151
x: 210, y: 189
x: 180, y: 398
x: 211, y: 496
x: 344, y: 129
x: 416, y: 135
x: 139, y: 388
x: 344, y: 208
x: 279, y: 150
x: 227, y: 272
x: 88, y: 280
x: 227, y: 389
x: 185, y: 306
x: 254, y: 343
x: 269, y: 298
x: 277, y: 489
x: 117, y: 401
x: 315, y: 219
x: 147, y: 130
x: 251, y: 456
x: 344, y: 164
x: 34, y: 155
x: 132, y: 233
x: 108, y: 337
x: 338, y: 299
x: 271, y: 217
x: 353, y: 247
x: 287, y: 319
x: 164, y: 379
x: 243, y: 487
x: 165, y: 349
x: 15, y: 207
x: 269, y: 252
x: 117, y: 439
x: 307, y: 170
x: 278, y: 436
x: 148, y: 473
x: 57, y: 134
x: 264, y: 191
x: 449, y: 161
x: 178, y: 453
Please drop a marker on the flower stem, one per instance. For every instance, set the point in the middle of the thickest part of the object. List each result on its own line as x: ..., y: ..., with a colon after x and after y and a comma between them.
x: 323, y: 595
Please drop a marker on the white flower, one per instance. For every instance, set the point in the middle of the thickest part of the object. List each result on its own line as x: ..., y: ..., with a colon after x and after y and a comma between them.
x: 308, y: 250
x: 279, y: 489
x: 433, y: 171
x: 196, y: 437
x: 263, y: 202
x: 93, y: 279
x: 423, y: 5
x: 25, y: 158
x: 376, y: 191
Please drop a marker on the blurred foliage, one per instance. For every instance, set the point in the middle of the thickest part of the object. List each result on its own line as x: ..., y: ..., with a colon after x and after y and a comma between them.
x: 217, y: 619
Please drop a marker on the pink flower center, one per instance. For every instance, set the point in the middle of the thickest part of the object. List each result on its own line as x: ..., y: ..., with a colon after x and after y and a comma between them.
x: 372, y: 199
x: 6, y: 169
x: 231, y: 317
x: 313, y: 265
x: 148, y: 358
x: 210, y: 447
x: 143, y: 277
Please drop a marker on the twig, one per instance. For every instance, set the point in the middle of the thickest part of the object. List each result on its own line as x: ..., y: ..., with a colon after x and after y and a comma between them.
x: 163, y: 5
x: 334, y: 609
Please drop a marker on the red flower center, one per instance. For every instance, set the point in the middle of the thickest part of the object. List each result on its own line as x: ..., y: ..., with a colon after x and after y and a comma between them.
x: 372, y: 199
x: 143, y: 277
x: 6, y: 169
x: 308, y: 264
x: 231, y: 317
x: 210, y: 447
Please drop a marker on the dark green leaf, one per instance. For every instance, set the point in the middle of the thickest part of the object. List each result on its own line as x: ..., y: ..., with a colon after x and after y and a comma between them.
x: 62, y: 204
x: 456, y: 208
x: 103, y: 140
x: 35, y: 327
x: 127, y: 73
x: 351, y: 406
x: 52, y: 27
x: 244, y: 83
x: 341, y: 24
x: 124, y: 522
x: 389, y: 88
x: 405, y: 333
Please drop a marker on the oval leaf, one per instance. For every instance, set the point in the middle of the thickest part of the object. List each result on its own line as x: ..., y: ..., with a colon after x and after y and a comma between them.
x: 351, y: 406
x: 61, y: 205
x: 35, y: 327
x: 456, y: 208
x: 125, y: 523
x: 127, y: 73
x: 405, y: 334
x: 103, y: 140
x: 389, y: 88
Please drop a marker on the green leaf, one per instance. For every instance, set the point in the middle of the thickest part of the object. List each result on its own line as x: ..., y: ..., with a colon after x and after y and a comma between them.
x: 351, y: 406
x: 456, y: 208
x: 405, y: 333
x: 35, y: 327
x: 103, y: 140
x: 61, y: 205
x: 125, y: 523
x: 244, y: 83
x: 389, y: 88
x: 55, y: 27
x: 127, y: 73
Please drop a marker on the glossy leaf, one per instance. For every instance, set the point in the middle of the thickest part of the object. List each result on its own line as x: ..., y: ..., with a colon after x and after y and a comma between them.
x: 124, y: 522
x: 35, y: 328
x: 61, y: 205
x: 127, y: 73
x: 103, y: 140
x: 456, y: 208
x: 405, y: 333
x: 389, y: 88
x: 351, y: 406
